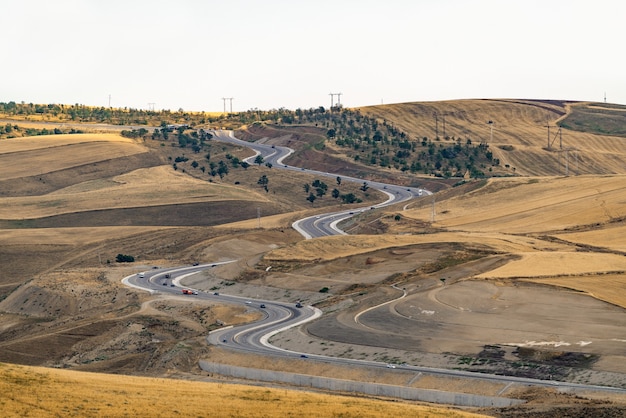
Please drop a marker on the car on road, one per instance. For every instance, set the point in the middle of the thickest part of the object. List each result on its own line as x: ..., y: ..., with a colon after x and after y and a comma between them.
x: 164, y: 283
x: 298, y: 305
x: 167, y: 276
x: 216, y: 294
x: 172, y: 285
x: 195, y: 264
x: 262, y: 306
x: 248, y: 302
x: 391, y: 366
x: 303, y: 356
x: 140, y: 275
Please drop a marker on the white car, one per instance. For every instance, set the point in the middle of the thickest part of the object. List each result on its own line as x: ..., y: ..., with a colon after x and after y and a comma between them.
x: 391, y: 366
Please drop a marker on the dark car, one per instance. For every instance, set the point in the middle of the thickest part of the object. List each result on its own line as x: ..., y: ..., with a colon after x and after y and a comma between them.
x: 262, y: 306
x: 167, y: 276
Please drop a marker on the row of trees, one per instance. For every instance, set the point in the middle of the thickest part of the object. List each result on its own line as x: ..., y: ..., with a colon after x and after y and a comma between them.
x: 366, y: 140
x: 16, y: 131
x: 372, y: 142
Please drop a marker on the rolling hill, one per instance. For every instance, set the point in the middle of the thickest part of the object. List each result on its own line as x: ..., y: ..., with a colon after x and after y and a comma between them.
x: 70, y: 203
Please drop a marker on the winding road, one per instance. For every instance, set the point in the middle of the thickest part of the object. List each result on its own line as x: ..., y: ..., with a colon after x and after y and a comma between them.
x: 279, y: 316
x: 323, y: 224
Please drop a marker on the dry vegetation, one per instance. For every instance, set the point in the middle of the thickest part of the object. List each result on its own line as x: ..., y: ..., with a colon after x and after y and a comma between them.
x: 67, y: 393
x: 519, y: 139
x: 69, y: 203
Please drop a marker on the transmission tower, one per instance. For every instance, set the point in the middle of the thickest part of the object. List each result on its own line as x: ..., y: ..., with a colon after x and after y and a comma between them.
x: 332, y: 96
x: 230, y: 99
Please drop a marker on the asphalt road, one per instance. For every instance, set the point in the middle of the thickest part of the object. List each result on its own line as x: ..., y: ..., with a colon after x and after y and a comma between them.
x: 324, y: 224
x: 279, y: 316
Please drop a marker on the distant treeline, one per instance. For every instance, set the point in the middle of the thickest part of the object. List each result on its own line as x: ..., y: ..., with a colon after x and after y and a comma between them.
x: 367, y: 140
x: 15, y: 131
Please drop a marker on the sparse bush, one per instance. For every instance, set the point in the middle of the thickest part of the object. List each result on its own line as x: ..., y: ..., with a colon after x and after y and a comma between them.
x: 123, y: 258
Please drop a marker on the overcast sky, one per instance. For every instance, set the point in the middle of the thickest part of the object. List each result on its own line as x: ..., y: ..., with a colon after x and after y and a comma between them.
x: 268, y: 54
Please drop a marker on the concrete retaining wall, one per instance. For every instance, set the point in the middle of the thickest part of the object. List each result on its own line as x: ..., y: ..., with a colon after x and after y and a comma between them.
x: 340, y: 385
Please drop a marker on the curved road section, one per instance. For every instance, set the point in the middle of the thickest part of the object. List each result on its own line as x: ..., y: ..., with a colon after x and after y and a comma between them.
x: 279, y: 316
x: 324, y: 224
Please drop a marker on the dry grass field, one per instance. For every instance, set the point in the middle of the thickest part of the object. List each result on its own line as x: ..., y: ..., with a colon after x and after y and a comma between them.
x: 519, y: 136
x: 69, y: 203
x: 38, y: 392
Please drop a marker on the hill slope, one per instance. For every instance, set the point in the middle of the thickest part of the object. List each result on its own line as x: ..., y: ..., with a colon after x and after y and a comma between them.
x: 520, y: 137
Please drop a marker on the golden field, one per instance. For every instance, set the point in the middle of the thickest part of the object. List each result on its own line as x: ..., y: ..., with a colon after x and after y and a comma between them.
x: 563, y: 231
x: 39, y: 392
x: 519, y: 139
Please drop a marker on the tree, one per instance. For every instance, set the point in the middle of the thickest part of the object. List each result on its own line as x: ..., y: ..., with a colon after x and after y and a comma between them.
x: 268, y: 165
x: 306, y: 187
x: 311, y: 198
x: 123, y: 258
x: 222, y: 169
x: 364, y: 187
x: 335, y: 193
x: 259, y: 159
x: 263, y: 181
x: 338, y: 181
x: 348, y: 198
x: 245, y: 165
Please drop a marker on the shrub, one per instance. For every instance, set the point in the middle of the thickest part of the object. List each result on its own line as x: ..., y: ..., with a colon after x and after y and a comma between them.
x: 123, y: 258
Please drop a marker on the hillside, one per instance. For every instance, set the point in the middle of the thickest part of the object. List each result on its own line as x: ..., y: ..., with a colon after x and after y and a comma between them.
x: 35, y: 391
x: 532, y: 261
x: 520, y: 138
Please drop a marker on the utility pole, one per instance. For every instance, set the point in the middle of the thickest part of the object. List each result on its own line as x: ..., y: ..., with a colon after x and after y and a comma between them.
x: 490, y: 123
x: 231, y: 103
x: 443, y: 118
x: 332, y: 96
x: 436, y: 125
x: 432, y: 215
